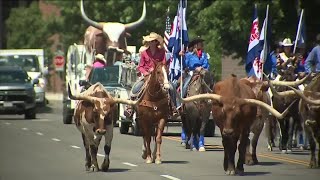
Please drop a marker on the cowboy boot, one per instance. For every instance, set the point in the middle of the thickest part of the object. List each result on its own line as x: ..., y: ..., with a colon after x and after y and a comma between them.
x: 201, y: 144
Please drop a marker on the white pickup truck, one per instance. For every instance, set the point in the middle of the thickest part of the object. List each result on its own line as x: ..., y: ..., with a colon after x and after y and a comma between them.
x: 32, y: 61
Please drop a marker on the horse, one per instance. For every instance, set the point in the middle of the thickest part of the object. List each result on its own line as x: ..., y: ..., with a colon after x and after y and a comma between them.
x: 196, y: 113
x: 152, y: 112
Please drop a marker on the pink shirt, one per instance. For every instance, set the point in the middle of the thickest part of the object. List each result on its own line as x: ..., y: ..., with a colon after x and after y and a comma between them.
x: 147, y: 60
x: 98, y: 64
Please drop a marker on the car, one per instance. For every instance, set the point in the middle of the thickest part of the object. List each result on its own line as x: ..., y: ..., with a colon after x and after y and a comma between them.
x: 17, y: 94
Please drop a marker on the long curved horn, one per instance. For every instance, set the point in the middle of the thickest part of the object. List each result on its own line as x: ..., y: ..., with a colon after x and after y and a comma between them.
x: 89, y: 21
x: 269, y: 108
x: 276, y: 93
x: 309, y: 122
x: 125, y: 101
x: 305, y: 98
x: 290, y: 83
x: 133, y: 25
x: 201, y: 96
x: 80, y: 97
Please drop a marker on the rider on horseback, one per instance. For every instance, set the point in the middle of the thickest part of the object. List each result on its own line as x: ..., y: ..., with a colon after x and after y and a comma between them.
x: 153, y: 52
x: 196, y: 61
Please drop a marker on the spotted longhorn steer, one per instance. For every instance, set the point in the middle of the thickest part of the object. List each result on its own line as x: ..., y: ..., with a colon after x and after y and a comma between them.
x: 93, y: 118
x: 108, y: 37
x: 234, y: 109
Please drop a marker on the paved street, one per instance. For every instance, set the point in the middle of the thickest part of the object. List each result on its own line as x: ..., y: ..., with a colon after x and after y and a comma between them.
x: 45, y: 148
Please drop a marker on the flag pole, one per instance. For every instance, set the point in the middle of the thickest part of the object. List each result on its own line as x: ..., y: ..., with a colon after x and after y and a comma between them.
x: 265, y: 40
x: 181, y: 45
x: 298, y: 32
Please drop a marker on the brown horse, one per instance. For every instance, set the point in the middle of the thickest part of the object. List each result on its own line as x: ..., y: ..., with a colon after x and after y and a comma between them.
x: 153, y: 112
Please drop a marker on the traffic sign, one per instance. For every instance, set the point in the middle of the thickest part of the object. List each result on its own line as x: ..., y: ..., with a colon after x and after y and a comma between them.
x: 59, y: 61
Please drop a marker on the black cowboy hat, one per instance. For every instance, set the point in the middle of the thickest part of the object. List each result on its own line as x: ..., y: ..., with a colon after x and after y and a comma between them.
x: 195, y: 41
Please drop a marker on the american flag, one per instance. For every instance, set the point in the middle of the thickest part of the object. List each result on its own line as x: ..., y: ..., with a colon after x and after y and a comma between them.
x: 167, y: 32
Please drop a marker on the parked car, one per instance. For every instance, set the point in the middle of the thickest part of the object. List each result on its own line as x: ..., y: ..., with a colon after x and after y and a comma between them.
x: 17, y: 94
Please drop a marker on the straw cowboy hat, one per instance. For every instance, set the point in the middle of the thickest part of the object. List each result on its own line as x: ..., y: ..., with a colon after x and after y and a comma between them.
x: 101, y: 57
x: 287, y: 42
x: 153, y: 36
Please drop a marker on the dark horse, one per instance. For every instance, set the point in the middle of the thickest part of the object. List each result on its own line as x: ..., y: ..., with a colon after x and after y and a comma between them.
x: 153, y: 112
x: 196, y: 113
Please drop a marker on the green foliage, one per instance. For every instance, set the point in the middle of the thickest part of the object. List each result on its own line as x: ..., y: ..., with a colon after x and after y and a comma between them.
x: 224, y: 24
x: 27, y: 29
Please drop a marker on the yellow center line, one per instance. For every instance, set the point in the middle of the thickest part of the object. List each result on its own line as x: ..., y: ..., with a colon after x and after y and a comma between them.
x: 284, y: 159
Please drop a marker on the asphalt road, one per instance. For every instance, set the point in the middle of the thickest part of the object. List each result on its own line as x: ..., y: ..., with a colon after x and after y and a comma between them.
x: 45, y: 148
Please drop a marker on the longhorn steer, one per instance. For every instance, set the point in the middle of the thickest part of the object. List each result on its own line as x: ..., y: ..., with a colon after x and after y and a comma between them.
x: 309, y: 107
x: 93, y: 118
x: 105, y: 37
x: 234, y: 109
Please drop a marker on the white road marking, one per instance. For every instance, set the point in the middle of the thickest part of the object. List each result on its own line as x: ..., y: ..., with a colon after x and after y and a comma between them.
x: 129, y: 164
x: 25, y: 129
x: 6, y: 123
x: 55, y: 139
x: 170, y: 177
x: 76, y: 147
x: 101, y: 155
x: 39, y: 133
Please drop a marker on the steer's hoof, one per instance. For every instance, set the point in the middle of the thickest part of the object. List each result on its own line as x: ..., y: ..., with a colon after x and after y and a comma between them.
x: 105, y: 165
x: 289, y: 151
x: 148, y: 161
x: 284, y: 151
x: 94, y: 168
x: 230, y: 172
x: 270, y: 148
x: 202, y: 149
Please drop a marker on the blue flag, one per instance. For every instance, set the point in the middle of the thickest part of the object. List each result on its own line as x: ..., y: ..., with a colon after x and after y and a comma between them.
x: 174, y: 45
x: 253, y: 65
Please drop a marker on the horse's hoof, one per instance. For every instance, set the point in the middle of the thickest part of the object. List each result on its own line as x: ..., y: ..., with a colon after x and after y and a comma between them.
x: 230, y: 172
x: 240, y: 172
x: 94, y: 168
x: 148, y: 161
x: 202, y: 149
x: 105, y: 165
x: 284, y: 151
x: 158, y: 161
x: 270, y: 148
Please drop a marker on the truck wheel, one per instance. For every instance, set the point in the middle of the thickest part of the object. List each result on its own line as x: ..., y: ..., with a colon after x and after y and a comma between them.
x: 210, y: 128
x: 124, y: 128
x: 30, y: 114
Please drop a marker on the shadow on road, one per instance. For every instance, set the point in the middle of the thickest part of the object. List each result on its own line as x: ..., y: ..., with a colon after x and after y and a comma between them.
x: 268, y: 163
x: 44, y: 109
x: 116, y: 170
x: 175, y: 162
x: 256, y: 173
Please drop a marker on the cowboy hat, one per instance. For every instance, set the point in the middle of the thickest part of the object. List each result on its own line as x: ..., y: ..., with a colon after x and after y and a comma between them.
x: 287, y: 42
x: 153, y: 36
x: 101, y: 57
x: 195, y: 41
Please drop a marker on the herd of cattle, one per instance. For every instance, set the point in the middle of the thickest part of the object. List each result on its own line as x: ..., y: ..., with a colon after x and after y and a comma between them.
x: 239, y: 106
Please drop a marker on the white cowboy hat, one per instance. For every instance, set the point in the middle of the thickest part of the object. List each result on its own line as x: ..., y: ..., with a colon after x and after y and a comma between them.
x: 153, y: 36
x: 101, y: 57
x: 287, y: 42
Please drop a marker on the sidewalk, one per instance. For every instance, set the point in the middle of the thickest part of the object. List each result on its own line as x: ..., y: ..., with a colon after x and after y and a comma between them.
x: 54, y: 96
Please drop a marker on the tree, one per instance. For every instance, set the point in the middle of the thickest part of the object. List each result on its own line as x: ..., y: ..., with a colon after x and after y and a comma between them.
x: 27, y: 29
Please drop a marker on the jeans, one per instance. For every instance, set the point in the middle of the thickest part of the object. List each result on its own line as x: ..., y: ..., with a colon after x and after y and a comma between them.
x: 137, y: 86
x: 186, y: 83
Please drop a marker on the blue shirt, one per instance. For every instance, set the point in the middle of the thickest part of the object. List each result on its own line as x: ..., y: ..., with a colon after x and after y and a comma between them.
x: 313, y: 59
x: 274, y: 63
x: 192, y: 61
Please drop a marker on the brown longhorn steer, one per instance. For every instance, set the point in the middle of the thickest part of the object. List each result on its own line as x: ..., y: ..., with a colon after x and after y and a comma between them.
x: 110, y: 37
x: 234, y: 108
x: 153, y: 112
x: 309, y: 107
x: 93, y: 118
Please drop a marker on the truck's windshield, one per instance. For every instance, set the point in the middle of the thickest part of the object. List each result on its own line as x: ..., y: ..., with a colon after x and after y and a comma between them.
x: 108, y: 76
x: 29, y: 63
x: 14, y: 77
